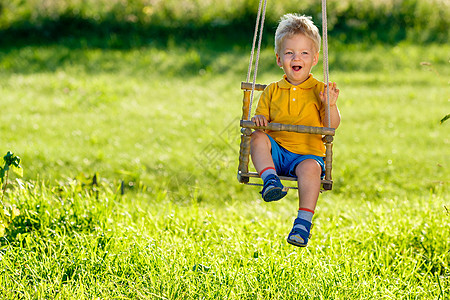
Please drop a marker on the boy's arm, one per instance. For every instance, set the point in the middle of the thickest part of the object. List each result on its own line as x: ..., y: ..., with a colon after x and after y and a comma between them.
x: 334, y: 110
x: 335, y: 117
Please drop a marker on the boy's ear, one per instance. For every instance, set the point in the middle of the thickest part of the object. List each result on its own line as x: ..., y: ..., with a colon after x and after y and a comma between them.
x: 279, y: 60
x: 316, y: 59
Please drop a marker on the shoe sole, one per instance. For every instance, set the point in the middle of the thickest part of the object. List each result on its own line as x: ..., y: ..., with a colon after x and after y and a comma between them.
x: 300, y: 244
x: 295, y: 243
x: 274, y: 194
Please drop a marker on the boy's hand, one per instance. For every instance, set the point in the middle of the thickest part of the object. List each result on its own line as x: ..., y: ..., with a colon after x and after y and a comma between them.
x: 334, y: 93
x: 260, y: 120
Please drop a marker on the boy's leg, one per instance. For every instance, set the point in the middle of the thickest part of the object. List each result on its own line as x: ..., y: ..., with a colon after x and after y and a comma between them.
x: 260, y: 148
x: 308, y: 174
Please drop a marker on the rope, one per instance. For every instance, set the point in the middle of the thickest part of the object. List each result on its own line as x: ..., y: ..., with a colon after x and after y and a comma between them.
x: 325, y: 54
x: 250, y: 63
x: 255, y: 71
x: 325, y: 57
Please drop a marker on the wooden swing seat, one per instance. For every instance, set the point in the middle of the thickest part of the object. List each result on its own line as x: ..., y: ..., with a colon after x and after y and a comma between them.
x: 246, y: 129
x: 249, y: 87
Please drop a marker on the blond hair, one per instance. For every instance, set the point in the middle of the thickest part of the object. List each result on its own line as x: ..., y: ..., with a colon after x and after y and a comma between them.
x: 292, y: 24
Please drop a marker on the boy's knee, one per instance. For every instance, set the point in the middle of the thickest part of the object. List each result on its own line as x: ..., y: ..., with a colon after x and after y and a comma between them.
x: 308, y: 166
x: 258, y: 136
x: 259, y: 139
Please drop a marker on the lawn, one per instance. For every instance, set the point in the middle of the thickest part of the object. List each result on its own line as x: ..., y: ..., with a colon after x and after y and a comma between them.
x: 158, y: 126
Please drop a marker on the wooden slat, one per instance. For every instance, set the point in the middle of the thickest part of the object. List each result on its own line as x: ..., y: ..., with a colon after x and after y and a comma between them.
x: 256, y: 175
x: 291, y: 128
x: 248, y: 86
x: 245, y: 105
x: 328, y: 160
x: 244, y: 153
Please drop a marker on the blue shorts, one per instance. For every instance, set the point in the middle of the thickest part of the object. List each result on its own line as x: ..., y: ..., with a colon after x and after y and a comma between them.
x: 285, y: 161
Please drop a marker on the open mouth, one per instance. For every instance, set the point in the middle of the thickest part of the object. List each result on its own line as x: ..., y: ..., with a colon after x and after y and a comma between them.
x: 296, y: 68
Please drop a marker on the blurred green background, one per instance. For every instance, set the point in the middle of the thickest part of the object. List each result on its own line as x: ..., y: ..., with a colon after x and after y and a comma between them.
x: 130, y: 23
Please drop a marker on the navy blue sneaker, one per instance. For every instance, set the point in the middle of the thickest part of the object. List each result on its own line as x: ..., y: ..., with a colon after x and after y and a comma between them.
x: 298, y: 236
x: 273, y: 190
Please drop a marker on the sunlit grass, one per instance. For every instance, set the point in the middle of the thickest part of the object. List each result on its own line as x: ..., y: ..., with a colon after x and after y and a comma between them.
x: 144, y: 245
x: 165, y: 122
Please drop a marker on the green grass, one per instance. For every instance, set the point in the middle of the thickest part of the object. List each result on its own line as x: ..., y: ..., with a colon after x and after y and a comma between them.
x: 145, y: 246
x: 163, y: 119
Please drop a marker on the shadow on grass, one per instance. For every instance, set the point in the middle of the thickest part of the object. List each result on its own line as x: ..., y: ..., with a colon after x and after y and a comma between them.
x: 180, y: 49
x: 80, y: 32
x: 26, y: 48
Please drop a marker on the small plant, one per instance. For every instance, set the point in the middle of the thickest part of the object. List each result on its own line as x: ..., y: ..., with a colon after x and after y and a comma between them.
x: 445, y: 118
x: 9, y: 162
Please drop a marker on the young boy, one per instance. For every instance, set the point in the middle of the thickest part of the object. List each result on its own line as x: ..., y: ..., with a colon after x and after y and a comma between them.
x: 298, y: 99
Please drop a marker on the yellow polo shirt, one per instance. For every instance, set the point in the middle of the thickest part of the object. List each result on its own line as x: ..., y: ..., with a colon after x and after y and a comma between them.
x: 282, y: 102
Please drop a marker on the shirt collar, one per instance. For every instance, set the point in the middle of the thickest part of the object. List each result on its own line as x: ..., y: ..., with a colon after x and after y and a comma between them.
x: 307, y: 84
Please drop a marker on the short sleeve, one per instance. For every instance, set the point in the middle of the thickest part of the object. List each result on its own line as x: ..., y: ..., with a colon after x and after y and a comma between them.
x: 263, y: 107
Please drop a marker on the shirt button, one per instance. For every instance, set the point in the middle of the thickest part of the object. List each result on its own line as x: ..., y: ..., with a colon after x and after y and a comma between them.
x: 294, y: 89
x: 293, y: 99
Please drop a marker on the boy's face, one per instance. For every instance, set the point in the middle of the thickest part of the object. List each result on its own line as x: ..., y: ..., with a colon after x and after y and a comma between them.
x: 297, y: 57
